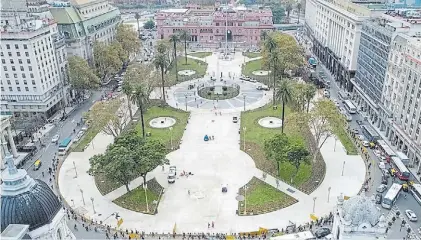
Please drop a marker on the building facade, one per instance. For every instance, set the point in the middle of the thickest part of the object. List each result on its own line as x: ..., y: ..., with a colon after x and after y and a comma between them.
x: 335, y: 28
x: 33, y: 61
x: 400, y: 118
x: 82, y: 22
x: 212, y: 27
x: 372, y: 63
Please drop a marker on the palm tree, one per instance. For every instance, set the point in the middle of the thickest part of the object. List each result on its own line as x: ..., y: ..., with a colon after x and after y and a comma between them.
x: 283, y: 94
x: 264, y: 35
x: 161, y: 63
x: 273, y: 61
x: 184, y: 35
x: 137, y: 16
x: 174, y: 39
x: 299, y: 10
x: 270, y: 45
x: 309, y: 93
x: 128, y: 90
x: 288, y: 8
x: 138, y: 96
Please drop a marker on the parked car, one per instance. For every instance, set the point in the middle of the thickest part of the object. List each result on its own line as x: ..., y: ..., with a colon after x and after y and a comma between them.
x: 359, y: 122
x: 348, y: 117
x: 55, y: 138
x: 381, y: 188
x: 171, y: 177
x: 361, y: 137
x: 78, y: 136
x: 342, y: 110
x: 385, y: 173
x: 366, y: 143
x: 382, y: 165
x: 378, y: 198
x: 174, y: 169
x: 262, y: 87
x: 321, y: 232
x: 234, y: 119
x: 384, y: 180
x: 411, y: 215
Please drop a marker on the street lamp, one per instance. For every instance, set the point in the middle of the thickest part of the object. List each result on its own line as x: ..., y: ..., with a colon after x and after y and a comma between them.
x: 328, y: 193
x: 245, y: 199
x: 73, y: 201
x: 74, y: 166
x: 244, y: 138
x: 334, y: 148
x: 171, y: 137
x: 185, y: 95
x: 83, y: 199
x: 244, y: 100
x: 343, y: 168
x: 314, y: 203
x: 145, y: 186
x: 93, y: 207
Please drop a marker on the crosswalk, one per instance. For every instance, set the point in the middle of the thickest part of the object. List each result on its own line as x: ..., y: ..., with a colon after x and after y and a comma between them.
x: 392, y: 213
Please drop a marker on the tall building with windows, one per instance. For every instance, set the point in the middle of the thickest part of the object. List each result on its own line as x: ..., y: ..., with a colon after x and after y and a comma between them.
x: 401, y: 98
x: 335, y: 28
x: 33, y: 61
x: 372, y: 62
x: 82, y: 22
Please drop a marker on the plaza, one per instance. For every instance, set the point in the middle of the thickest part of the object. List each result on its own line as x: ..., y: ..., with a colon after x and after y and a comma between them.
x: 192, y: 202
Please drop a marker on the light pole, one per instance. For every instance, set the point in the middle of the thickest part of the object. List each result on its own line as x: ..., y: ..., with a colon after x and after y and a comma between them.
x: 93, y: 207
x: 171, y: 137
x: 245, y: 199
x: 73, y: 201
x: 343, y: 168
x: 314, y: 204
x: 83, y: 199
x: 185, y: 95
x: 244, y: 100
x: 328, y: 193
x: 145, y: 186
x: 334, y: 148
x: 74, y: 166
x: 244, y: 138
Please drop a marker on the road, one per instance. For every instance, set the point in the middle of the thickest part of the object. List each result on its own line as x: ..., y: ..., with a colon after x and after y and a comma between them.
x: 402, y: 203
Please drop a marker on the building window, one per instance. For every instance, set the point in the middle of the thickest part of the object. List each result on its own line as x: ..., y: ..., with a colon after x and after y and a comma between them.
x: 2, y: 89
x: 22, y: 69
x: 31, y: 75
x: 35, y: 89
x: 20, y: 61
x: 10, y: 89
x: 5, y: 68
x: 17, y: 82
x: 3, y: 61
x: 7, y: 46
x: 8, y: 82
x: 25, y: 46
x: 28, y: 61
x: 16, y: 46
x: 27, y: 89
x: 27, y: 54
x: 6, y: 75
x: 30, y: 68
x: 10, y: 54
x: 33, y: 82
x: 18, y: 89
x: 12, y: 61
x: 13, y: 68
x: 18, y: 54
x: 15, y: 75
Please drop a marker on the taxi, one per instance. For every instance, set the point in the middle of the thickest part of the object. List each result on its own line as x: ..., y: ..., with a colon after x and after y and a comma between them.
x: 37, y: 164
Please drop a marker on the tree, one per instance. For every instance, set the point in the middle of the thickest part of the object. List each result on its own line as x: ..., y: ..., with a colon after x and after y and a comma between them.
x: 128, y: 90
x: 278, y: 13
x: 161, y: 63
x: 283, y: 94
x: 288, y: 9
x: 107, y: 59
x: 141, y: 74
x: 174, y: 39
x: 276, y: 149
x: 149, y: 24
x: 140, y: 98
x: 128, y: 157
x: 264, y: 35
x: 298, y: 11
x: 117, y: 163
x: 269, y: 45
x: 322, y: 119
x: 137, y: 17
x: 130, y: 43
x: 309, y: 93
x: 103, y: 115
x: 81, y: 75
x: 184, y: 35
x: 297, y: 154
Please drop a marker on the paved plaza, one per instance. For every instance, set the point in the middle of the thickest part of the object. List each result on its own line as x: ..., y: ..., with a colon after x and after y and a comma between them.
x: 214, y: 164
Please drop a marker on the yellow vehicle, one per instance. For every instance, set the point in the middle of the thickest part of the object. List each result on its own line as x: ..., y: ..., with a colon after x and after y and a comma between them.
x: 37, y: 164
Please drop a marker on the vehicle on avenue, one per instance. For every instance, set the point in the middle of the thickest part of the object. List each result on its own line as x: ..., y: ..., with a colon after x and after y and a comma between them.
x: 366, y: 143
x: 55, y: 138
x: 402, y: 171
x: 37, y: 164
x: 79, y: 136
x: 385, y: 173
x: 361, y: 137
x: 348, y: 117
x: 171, y: 177
x: 245, y: 78
x: 355, y: 131
x: 382, y: 165
x: 337, y: 104
x: 342, y: 110
x: 411, y: 215
x: 64, y: 146
x: 234, y: 119
x: 416, y: 192
x: 378, y: 198
x: 359, y: 122
x: 321, y: 232
x: 174, y: 169
x: 262, y: 87
x: 384, y: 180
x: 350, y: 107
x: 326, y: 94
x: 391, y: 196
x: 381, y: 188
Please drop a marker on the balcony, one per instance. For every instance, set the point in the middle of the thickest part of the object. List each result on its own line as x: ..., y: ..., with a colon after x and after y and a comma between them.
x: 59, y: 42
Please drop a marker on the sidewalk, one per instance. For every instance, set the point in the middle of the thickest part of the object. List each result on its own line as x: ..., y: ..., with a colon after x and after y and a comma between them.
x: 43, y: 131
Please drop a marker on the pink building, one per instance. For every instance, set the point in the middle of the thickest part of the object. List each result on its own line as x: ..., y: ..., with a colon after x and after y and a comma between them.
x: 208, y: 26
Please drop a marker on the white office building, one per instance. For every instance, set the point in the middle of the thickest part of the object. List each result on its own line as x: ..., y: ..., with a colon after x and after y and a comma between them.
x: 401, y: 97
x: 335, y: 28
x: 33, y: 61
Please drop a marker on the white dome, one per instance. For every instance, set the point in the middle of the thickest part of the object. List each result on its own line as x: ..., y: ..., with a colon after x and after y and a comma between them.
x: 360, y: 209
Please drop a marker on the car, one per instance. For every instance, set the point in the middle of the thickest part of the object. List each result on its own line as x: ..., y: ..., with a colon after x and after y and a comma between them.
x: 79, y: 136
x: 382, y: 165
x: 348, y: 117
x: 321, y: 232
x: 262, y: 87
x: 253, y: 80
x: 359, y: 122
x: 337, y: 104
x: 411, y: 215
x: 326, y: 93
x: 378, y: 198
x: 342, y: 110
x: 385, y: 173
x: 174, y: 169
x: 55, y: 138
x: 361, y: 137
x: 234, y: 119
x: 119, y: 89
x: 366, y: 143
x: 381, y: 188
x: 355, y: 131
x: 245, y: 78
x: 384, y: 180
x: 37, y: 164
x: 84, y: 128
x: 171, y: 177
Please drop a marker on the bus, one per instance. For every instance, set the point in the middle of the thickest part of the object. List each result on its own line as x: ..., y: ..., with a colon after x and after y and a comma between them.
x: 350, y: 107
x: 387, y: 151
x: 402, y: 156
x: 401, y: 171
x: 416, y: 192
x: 370, y: 133
x: 64, y: 146
x: 391, y: 196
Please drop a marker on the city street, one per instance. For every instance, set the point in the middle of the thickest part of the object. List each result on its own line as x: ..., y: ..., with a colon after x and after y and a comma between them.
x: 375, y: 173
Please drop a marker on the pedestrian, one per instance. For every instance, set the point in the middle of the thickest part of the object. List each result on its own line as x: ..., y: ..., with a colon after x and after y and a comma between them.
x: 50, y: 179
x: 208, y: 225
x: 42, y: 173
x: 213, y: 224
x: 277, y: 183
x: 188, y: 191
